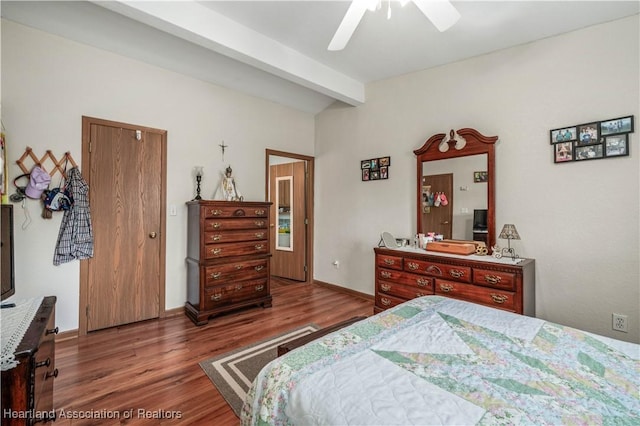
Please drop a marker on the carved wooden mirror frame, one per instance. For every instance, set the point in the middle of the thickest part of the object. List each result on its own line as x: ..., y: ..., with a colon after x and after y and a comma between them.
x: 476, y: 143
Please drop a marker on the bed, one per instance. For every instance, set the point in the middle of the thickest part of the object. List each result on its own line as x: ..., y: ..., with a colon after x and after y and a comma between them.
x: 435, y: 360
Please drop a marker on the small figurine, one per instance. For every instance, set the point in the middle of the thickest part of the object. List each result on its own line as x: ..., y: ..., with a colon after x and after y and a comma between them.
x: 497, y: 252
x: 228, y: 187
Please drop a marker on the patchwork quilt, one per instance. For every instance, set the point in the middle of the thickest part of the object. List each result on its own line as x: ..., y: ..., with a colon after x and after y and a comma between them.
x: 440, y: 361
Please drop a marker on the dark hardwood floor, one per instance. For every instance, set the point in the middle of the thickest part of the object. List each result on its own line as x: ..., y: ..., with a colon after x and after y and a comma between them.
x: 152, y: 367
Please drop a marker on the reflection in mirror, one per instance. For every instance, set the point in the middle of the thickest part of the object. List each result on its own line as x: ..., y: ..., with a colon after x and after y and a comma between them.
x: 453, y: 181
x: 284, y: 213
x: 448, y: 193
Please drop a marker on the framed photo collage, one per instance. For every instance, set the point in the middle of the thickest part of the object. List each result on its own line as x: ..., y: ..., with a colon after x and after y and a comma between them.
x: 592, y: 141
x: 375, y: 168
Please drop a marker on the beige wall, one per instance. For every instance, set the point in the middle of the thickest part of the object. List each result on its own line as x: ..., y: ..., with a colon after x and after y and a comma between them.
x: 49, y: 83
x: 580, y: 221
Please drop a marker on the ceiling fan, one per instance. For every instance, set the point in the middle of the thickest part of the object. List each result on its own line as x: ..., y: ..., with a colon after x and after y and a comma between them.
x: 440, y: 12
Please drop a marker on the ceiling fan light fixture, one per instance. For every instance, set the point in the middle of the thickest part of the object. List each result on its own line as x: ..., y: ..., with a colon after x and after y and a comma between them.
x: 441, y: 13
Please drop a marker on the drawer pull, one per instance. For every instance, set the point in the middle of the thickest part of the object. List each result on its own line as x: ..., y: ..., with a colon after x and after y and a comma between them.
x: 420, y: 294
x: 52, y: 331
x: 422, y: 282
x: 53, y: 374
x: 385, y: 287
x: 216, y: 297
x: 259, y: 268
x: 239, y: 212
x: 45, y: 363
x: 215, y: 212
x: 260, y: 287
x: 385, y: 274
x: 434, y: 270
x: 413, y: 266
x: 446, y: 287
x: 238, y: 287
x: 455, y: 273
x: 259, y: 223
x: 238, y: 267
x: 259, y: 234
x: 216, y: 225
x: 216, y: 237
x: 260, y: 212
x: 385, y: 301
x: 492, y: 279
x: 389, y: 262
x: 259, y: 246
x: 215, y: 251
x: 216, y: 275
x: 499, y: 298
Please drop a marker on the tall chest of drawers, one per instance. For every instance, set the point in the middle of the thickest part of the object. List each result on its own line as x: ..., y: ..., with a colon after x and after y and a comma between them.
x: 404, y: 274
x: 228, y: 257
x: 27, y: 389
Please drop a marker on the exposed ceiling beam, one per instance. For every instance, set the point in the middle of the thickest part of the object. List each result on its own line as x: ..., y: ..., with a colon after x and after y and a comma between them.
x: 207, y: 28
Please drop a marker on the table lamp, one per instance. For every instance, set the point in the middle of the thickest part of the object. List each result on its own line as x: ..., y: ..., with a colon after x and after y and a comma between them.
x: 509, y: 232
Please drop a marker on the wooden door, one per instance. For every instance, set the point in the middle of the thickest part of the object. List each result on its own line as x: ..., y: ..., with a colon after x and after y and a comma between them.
x: 125, y: 278
x: 287, y: 192
x: 438, y: 219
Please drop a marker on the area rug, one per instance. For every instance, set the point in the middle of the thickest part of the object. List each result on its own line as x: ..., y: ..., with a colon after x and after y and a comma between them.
x: 233, y: 372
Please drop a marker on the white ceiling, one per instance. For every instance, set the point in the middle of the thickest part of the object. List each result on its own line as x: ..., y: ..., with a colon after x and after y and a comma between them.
x: 277, y: 50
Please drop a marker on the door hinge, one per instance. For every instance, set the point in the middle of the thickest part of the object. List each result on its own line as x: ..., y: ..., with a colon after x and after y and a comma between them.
x: 305, y: 268
x: 306, y: 221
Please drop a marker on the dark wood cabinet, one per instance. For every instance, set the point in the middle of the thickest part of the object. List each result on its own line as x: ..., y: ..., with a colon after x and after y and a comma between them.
x: 228, y: 257
x: 402, y: 275
x: 27, y: 389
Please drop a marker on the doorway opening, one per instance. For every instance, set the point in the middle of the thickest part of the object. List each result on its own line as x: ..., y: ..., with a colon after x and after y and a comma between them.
x: 289, y: 187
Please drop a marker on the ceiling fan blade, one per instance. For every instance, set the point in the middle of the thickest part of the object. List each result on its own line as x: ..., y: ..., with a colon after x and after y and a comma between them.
x: 348, y: 25
x: 440, y: 12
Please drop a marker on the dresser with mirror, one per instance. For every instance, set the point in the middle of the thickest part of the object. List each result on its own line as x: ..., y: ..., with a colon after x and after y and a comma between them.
x: 455, y: 197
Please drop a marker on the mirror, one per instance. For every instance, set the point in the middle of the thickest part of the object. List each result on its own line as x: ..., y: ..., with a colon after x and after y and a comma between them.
x: 284, y: 213
x: 455, y: 186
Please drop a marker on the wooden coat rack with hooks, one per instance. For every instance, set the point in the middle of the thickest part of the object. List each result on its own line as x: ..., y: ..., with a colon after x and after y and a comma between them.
x: 58, y: 165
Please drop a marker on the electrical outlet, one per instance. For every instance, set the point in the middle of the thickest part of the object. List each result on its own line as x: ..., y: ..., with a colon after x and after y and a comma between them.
x: 620, y: 322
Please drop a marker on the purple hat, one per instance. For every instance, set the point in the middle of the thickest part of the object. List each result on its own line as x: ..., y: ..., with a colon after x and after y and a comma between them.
x: 38, y: 182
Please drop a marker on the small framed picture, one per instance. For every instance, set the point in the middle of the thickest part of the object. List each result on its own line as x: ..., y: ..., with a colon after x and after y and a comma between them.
x: 564, y: 135
x: 374, y: 164
x: 588, y: 134
x: 365, y: 164
x: 374, y: 175
x: 479, y: 177
x: 365, y: 174
x: 384, y: 172
x: 384, y: 161
x: 616, y: 146
x: 616, y: 126
x: 563, y: 152
x: 588, y: 152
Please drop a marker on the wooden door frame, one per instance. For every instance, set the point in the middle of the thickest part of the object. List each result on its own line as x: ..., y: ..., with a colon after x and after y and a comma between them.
x: 86, y: 165
x: 308, y: 202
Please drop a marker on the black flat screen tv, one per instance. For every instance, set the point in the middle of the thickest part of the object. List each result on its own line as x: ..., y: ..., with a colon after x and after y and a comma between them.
x: 6, y: 252
x: 480, y: 219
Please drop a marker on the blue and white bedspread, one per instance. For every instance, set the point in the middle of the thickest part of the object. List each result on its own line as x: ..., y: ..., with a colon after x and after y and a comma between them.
x: 435, y: 360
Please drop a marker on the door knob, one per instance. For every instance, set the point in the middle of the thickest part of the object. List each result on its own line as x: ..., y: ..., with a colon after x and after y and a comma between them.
x: 152, y: 235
